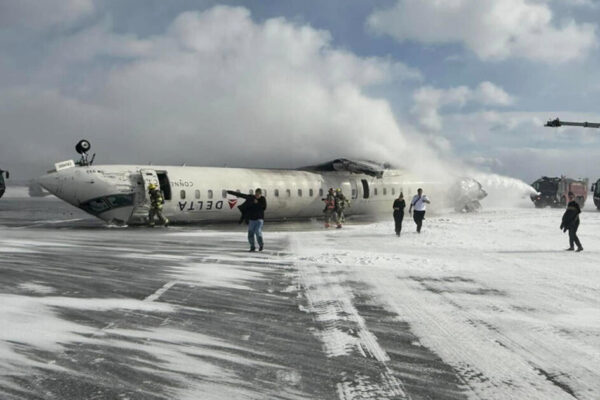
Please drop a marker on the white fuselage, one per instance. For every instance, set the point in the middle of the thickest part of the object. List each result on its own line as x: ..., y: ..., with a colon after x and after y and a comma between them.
x: 118, y: 193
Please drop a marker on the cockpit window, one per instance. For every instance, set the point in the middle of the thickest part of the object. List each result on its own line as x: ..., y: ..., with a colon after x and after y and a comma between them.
x: 120, y: 200
x: 102, y: 204
x: 95, y: 206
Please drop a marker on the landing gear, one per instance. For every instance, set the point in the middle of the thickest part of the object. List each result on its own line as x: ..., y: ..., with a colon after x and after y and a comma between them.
x: 82, y: 147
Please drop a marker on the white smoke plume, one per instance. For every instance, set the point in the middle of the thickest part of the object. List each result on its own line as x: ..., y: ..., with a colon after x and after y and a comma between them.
x: 216, y: 88
x: 504, y: 191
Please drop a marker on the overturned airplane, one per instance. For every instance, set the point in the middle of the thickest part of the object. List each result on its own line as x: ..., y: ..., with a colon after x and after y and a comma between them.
x: 119, y: 193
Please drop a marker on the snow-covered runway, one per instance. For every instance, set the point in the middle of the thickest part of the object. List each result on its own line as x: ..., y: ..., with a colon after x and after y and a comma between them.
x: 484, y: 306
x: 493, y: 294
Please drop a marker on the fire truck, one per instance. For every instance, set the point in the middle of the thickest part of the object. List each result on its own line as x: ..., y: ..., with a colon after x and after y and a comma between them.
x: 2, y: 184
x: 553, y: 191
x: 596, y: 191
x: 557, y: 123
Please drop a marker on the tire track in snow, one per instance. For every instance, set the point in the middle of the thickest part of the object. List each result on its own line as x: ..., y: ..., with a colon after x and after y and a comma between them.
x: 345, y: 333
x: 490, y: 369
x: 549, y: 349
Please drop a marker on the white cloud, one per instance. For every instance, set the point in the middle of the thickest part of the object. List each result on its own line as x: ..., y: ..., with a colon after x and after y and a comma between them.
x: 216, y: 88
x: 492, y: 29
x: 517, y: 143
x: 35, y: 14
x: 489, y: 94
x: 97, y: 40
x: 429, y: 101
x: 579, y: 3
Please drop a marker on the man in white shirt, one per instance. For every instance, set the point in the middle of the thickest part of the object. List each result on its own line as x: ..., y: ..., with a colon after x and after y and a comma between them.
x: 419, y: 203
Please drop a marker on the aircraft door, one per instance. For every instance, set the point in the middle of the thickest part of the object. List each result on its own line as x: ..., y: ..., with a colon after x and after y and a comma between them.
x: 365, y: 186
x: 148, y: 176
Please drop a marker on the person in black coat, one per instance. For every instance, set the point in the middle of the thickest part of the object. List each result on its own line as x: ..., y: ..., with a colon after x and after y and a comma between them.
x: 399, y: 206
x: 570, y: 222
x: 253, y: 210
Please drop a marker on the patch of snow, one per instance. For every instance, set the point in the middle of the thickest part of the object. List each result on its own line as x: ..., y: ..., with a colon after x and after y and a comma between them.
x: 492, y: 293
x: 35, y: 287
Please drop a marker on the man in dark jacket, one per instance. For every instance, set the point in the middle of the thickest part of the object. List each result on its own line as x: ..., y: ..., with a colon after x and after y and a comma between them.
x: 570, y: 222
x: 399, y: 206
x: 254, y: 210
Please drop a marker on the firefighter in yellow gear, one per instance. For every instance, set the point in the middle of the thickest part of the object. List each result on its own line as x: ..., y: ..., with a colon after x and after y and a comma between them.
x: 329, y: 209
x: 156, y: 204
x: 341, y: 202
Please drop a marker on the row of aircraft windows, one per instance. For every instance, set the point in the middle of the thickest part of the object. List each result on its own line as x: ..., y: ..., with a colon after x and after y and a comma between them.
x: 288, y: 193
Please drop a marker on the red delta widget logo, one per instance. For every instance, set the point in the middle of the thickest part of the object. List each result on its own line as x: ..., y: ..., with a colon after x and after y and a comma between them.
x: 232, y: 203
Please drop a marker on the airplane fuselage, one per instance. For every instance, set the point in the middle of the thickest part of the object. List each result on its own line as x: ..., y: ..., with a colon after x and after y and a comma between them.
x: 118, y: 193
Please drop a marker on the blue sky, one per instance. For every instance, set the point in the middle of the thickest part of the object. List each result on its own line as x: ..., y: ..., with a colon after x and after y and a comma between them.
x: 288, y: 83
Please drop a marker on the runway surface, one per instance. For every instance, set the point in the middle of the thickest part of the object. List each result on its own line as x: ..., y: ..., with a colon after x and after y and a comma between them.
x: 469, y: 309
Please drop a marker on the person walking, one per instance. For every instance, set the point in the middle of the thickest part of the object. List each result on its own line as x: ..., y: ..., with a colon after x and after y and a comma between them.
x: 329, y: 210
x: 340, y: 205
x: 254, y: 211
x: 156, y: 204
x: 570, y: 222
x: 419, y: 203
x: 399, y: 205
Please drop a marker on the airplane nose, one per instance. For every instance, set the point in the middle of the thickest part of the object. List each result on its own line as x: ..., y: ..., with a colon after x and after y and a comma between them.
x: 62, y: 184
x: 50, y: 182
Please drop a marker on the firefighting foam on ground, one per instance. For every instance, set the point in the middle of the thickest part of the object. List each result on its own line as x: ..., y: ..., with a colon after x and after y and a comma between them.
x: 485, y: 305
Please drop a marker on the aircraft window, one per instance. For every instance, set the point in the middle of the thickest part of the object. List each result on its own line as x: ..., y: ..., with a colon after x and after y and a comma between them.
x: 374, y: 191
x: 210, y: 194
x: 95, y: 206
x: 276, y: 192
x: 311, y: 193
x: 321, y: 192
x: 120, y: 200
x: 384, y: 191
x: 224, y: 194
x: 393, y: 191
x: 197, y: 194
x: 288, y: 192
x: 182, y: 194
x: 299, y: 192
